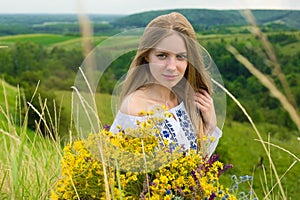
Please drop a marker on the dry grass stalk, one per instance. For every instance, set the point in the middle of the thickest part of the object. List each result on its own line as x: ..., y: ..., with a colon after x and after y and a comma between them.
x: 89, y: 106
x: 282, y: 149
x: 10, y: 135
x: 258, y: 135
x: 85, y: 29
x: 269, y: 84
x: 278, y: 181
x: 272, y: 56
x: 2, y: 47
x: 146, y: 169
x: 6, y: 104
x: 86, y: 34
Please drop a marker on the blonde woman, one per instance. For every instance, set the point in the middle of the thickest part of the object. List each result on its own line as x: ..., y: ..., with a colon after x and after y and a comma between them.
x: 168, y: 70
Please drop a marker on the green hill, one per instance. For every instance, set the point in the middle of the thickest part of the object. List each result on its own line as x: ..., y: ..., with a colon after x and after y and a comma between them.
x: 13, y: 24
x: 205, y: 19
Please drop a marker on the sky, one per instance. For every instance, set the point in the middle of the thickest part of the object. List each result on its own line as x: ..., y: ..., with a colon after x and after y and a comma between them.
x: 135, y: 6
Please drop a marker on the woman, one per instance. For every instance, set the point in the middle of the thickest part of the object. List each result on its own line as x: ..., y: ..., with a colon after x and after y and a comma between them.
x: 168, y: 70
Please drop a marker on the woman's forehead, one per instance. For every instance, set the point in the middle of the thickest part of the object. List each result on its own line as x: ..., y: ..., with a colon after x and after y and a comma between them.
x: 173, y: 44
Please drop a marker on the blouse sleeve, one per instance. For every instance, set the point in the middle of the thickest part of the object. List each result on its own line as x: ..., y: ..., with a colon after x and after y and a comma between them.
x: 217, y: 134
x: 124, y: 121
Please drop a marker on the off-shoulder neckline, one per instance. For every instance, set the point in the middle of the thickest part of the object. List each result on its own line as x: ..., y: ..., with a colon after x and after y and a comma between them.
x: 179, y: 106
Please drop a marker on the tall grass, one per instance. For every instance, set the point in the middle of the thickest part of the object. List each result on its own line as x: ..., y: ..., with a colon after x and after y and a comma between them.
x: 28, y: 161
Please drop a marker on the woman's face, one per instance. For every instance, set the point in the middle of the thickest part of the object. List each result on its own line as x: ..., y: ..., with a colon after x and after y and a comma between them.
x: 168, y: 60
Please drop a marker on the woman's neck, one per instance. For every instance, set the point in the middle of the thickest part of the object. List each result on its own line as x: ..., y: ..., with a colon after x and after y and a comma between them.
x: 161, y: 95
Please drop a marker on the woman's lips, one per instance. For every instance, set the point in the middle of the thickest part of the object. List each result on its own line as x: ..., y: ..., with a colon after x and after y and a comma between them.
x: 170, y: 77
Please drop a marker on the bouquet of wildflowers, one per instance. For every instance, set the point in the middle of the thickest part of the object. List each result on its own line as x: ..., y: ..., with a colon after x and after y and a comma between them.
x: 137, y: 165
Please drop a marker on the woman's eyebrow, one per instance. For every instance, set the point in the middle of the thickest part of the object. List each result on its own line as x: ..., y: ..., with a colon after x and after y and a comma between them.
x: 166, y: 51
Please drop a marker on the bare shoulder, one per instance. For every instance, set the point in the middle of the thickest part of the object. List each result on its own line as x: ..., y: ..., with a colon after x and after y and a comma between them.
x: 134, y: 103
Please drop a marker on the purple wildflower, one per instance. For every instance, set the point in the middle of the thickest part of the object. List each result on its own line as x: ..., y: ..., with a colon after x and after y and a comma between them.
x: 193, y: 173
x: 213, y: 159
x: 225, y: 168
x: 212, y: 196
x: 106, y: 127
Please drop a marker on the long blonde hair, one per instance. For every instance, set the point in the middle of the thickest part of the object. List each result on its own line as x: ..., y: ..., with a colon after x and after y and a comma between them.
x: 195, y: 76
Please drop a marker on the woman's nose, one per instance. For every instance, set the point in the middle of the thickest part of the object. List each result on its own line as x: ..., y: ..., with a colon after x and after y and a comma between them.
x: 171, y: 63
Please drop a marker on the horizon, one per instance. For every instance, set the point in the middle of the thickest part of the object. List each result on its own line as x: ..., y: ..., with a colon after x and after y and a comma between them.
x: 91, y: 13
x: 127, y: 7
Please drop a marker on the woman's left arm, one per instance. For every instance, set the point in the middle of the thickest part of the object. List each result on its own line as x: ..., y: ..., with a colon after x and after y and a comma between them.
x: 205, y: 104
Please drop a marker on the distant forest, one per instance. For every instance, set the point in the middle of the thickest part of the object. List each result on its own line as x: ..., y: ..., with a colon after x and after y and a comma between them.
x: 205, y: 21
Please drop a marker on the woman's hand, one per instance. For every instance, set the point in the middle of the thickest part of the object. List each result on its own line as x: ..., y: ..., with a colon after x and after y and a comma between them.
x: 205, y: 104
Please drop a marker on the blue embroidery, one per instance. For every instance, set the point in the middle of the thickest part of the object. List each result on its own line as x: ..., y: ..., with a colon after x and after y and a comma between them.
x: 185, y: 124
x: 173, y: 146
x: 178, y: 113
x: 168, y: 131
x: 193, y: 145
x: 166, y: 134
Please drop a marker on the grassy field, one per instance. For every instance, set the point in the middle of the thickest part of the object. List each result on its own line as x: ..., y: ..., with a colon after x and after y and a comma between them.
x: 29, y: 167
x: 43, y: 39
x: 103, y: 105
x: 49, y: 40
x: 73, y: 41
x: 240, y: 147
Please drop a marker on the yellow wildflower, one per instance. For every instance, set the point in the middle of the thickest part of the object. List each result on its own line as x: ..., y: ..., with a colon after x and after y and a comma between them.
x: 164, y: 179
x: 167, y: 197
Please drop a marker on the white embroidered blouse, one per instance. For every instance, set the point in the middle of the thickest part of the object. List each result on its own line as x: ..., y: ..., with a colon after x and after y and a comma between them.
x: 178, y: 130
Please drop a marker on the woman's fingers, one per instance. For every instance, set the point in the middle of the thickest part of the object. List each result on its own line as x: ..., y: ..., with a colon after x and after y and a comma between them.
x: 205, y: 104
x: 203, y: 99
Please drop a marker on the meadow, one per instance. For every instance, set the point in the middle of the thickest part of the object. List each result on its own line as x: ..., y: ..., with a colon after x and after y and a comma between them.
x: 29, y: 160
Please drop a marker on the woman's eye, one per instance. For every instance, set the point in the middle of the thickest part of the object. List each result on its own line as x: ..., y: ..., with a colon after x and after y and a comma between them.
x: 181, y: 57
x: 161, y: 55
